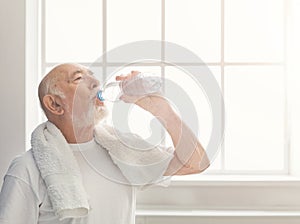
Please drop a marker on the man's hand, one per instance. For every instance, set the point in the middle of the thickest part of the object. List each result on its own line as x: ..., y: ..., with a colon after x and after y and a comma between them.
x: 153, y: 103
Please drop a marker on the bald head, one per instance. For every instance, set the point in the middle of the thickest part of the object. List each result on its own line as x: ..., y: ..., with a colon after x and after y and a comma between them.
x: 68, y: 93
x: 48, y: 85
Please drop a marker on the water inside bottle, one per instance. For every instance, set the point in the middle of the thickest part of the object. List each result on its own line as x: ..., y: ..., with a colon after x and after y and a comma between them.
x: 110, y: 92
x: 140, y: 85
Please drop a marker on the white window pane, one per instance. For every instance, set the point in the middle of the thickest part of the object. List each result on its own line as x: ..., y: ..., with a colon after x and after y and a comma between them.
x: 195, y: 24
x: 254, y: 131
x: 98, y: 72
x: 254, y: 30
x: 73, y: 30
x: 132, y: 20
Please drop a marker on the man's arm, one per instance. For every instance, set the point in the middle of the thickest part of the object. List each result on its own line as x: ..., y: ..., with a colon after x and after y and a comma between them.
x: 189, y: 155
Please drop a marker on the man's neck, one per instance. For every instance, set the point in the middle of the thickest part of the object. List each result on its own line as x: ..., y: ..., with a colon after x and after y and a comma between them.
x: 74, y: 134
x: 82, y: 134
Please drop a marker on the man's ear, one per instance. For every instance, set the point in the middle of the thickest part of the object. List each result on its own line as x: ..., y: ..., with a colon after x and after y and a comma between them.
x: 53, y: 104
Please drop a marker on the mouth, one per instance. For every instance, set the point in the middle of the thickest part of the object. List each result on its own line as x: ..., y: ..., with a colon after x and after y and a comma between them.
x: 95, y: 99
x: 98, y: 102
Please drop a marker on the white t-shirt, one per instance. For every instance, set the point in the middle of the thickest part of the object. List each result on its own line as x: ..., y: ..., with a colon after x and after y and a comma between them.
x: 24, y: 199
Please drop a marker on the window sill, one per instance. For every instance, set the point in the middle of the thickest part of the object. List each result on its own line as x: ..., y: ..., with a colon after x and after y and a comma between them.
x: 160, y: 216
x: 213, y: 213
x: 227, y: 192
x: 234, y: 180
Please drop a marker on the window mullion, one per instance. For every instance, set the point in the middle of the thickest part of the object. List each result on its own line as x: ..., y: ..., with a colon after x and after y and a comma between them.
x: 222, y: 79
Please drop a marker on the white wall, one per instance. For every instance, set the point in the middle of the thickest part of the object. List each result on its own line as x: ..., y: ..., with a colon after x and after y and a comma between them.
x: 12, y: 85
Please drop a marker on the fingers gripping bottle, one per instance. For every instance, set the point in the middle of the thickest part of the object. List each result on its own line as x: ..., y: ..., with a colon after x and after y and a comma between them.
x: 140, y: 85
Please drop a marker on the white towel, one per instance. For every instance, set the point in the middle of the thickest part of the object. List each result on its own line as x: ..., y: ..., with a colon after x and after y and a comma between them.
x: 140, y: 162
x: 60, y: 171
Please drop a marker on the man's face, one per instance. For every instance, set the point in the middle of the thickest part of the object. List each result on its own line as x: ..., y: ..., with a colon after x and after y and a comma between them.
x: 79, y: 88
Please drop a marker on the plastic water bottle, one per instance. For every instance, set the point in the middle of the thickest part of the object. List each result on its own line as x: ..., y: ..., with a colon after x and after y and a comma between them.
x: 140, y: 85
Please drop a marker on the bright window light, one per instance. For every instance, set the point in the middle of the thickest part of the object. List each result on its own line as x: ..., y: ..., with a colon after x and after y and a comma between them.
x: 241, y: 41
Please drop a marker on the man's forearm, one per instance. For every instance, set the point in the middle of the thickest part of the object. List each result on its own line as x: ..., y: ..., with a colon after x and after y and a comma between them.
x: 188, y: 150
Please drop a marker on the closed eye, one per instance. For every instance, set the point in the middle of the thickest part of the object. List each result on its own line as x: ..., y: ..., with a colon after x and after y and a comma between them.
x: 78, y: 78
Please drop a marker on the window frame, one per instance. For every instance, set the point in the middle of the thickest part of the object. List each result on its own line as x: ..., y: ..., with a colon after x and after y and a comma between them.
x: 251, y: 186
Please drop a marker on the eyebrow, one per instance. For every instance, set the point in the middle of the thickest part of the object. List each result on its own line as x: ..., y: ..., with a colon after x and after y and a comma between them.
x: 90, y: 72
x: 76, y: 72
x: 80, y: 71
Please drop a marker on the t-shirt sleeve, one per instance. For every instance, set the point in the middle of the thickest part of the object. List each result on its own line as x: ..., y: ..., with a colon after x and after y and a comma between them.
x: 18, y: 202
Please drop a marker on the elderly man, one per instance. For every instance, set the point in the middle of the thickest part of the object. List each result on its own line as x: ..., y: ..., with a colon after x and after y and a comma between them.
x: 67, y: 95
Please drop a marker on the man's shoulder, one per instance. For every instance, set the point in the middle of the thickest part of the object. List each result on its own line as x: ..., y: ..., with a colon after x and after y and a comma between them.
x: 23, y: 169
x: 23, y: 166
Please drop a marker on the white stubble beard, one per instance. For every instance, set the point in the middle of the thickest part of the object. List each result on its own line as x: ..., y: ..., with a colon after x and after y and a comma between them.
x: 101, y: 112
x: 92, y: 117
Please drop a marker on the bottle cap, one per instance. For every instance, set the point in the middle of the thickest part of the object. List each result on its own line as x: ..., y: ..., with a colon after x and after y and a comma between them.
x: 99, y: 95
